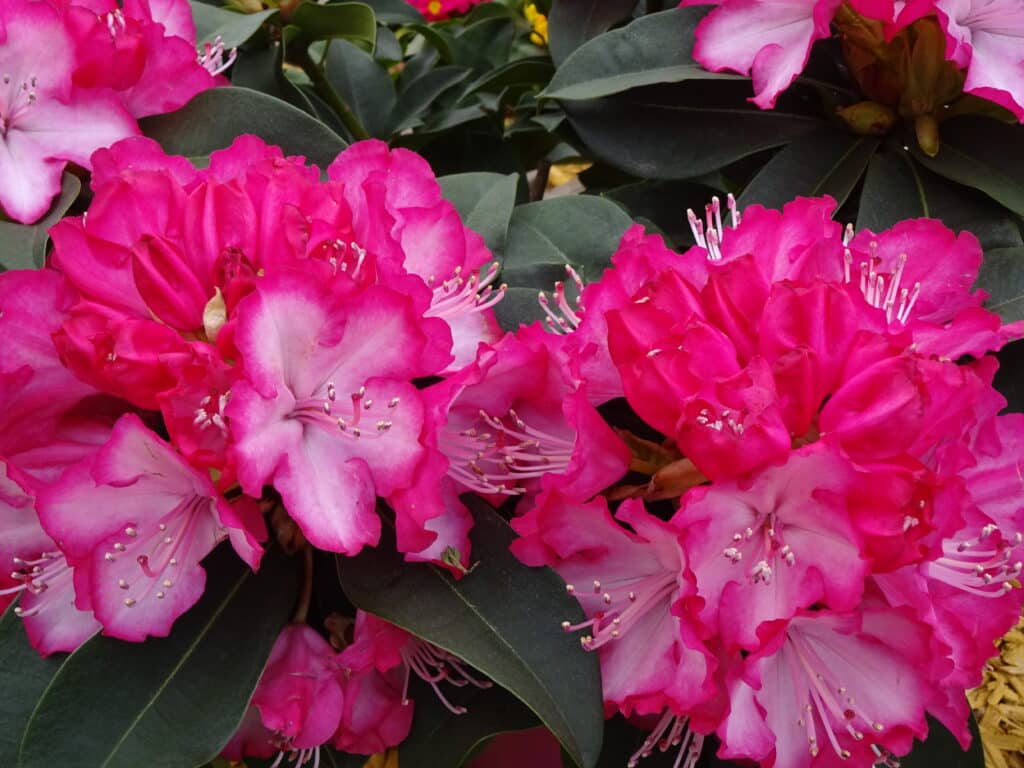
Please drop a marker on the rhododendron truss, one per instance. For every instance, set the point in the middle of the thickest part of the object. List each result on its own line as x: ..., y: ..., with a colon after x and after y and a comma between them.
x: 73, y: 78
x: 820, y: 536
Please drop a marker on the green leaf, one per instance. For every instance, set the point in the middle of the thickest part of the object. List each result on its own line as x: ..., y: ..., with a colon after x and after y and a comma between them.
x: 364, y: 85
x: 394, y: 12
x: 897, y: 187
x: 441, y: 739
x: 438, y: 39
x: 351, y: 21
x: 982, y: 153
x: 232, y: 28
x: 23, y: 678
x: 581, y: 231
x: 1002, y: 275
x: 23, y: 246
x: 827, y: 161
x: 531, y: 71
x: 665, y: 204
x: 503, y: 618
x: 214, y: 118
x: 484, y: 45
x: 485, y: 202
x: 674, y: 132
x: 572, y: 22
x: 653, y: 49
x: 169, y: 702
x: 422, y: 92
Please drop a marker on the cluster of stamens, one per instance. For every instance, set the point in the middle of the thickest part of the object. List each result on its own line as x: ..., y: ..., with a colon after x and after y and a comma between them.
x: 458, y: 296
x: 35, y: 576
x: 727, y: 419
x: 985, y: 565
x: 210, y: 412
x: 770, y: 547
x: 212, y: 57
x: 671, y: 731
x: 560, y: 315
x: 115, y: 22
x: 299, y: 757
x: 496, y: 455
x: 888, y: 295
x: 623, y: 603
x: 708, y: 234
x: 16, y: 101
x: 433, y: 666
x: 357, y: 424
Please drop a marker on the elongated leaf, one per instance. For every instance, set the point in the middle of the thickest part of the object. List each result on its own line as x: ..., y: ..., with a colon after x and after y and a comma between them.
x: 1002, y: 275
x: 231, y: 27
x: 897, y: 187
x: 653, y: 49
x: 394, y: 12
x: 582, y: 231
x: 419, y: 94
x: 364, y: 85
x: 521, y: 72
x: 214, y: 118
x: 664, y: 203
x: 982, y: 153
x: 484, y: 45
x: 23, y: 246
x: 572, y: 22
x: 485, y: 202
x: 169, y: 702
x: 441, y: 739
x: 827, y: 161
x: 670, y: 132
x: 503, y: 618
x: 352, y: 21
x: 23, y: 678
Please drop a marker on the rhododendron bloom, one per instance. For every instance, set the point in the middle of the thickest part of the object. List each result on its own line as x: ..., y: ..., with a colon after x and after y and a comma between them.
x: 45, y: 120
x: 136, y: 557
x: 436, y: 10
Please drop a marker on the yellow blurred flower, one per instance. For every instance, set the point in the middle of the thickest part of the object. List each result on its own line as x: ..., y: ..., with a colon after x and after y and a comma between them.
x: 539, y: 22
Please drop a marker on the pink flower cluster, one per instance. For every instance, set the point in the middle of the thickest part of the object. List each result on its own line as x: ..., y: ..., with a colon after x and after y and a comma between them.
x: 818, y: 539
x: 439, y: 10
x: 771, y: 40
x: 74, y: 76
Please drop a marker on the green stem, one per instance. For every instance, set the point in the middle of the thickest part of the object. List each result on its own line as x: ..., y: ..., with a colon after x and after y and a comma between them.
x: 306, y: 596
x: 326, y: 92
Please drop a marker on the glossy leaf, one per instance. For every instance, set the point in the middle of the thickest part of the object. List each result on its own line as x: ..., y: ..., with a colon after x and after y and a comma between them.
x: 363, y: 84
x: 23, y: 246
x: 672, y: 132
x: 664, y: 203
x: 23, y: 678
x: 214, y: 118
x: 531, y: 71
x: 394, y: 12
x: 982, y: 153
x: 1002, y: 275
x: 653, y: 49
x: 572, y: 22
x: 503, y: 618
x: 422, y: 92
x: 544, y: 237
x: 169, y: 702
x: 827, y: 161
x: 485, y: 202
x: 231, y: 27
x: 441, y: 739
x: 484, y: 45
x: 352, y: 21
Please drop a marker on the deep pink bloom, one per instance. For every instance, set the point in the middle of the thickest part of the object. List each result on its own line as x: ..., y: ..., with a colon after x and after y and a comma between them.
x: 153, y: 519
x: 631, y: 585
x: 298, y: 702
x: 45, y: 121
x: 438, y: 10
x: 327, y: 412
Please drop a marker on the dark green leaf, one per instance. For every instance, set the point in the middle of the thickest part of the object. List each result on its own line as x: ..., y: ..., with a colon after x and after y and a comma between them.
x: 484, y: 45
x: 394, y: 11
x: 419, y: 94
x: 653, y: 49
x: 352, y: 21
x: 582, y: 231
x: 1002, y: 275
x: 982, y: 153
x: 363, y: 84
x: 168, y: 702
x: 214, y: 118
x: 438, y: 39
x: 503, y: 618
x: 388, y: 47
x: 897, y: 187
x: 671, y: 132
x: 440, y: 739
x: 23, y: 246
x: 665, y: 204
x: 485, y: 202
x: 572, y: 22
x: 521, y: 72
x: 519, y: 307
x: 827, y: 161
x: 231, y: 27
x: 941, y: 749
x: 23, y: 678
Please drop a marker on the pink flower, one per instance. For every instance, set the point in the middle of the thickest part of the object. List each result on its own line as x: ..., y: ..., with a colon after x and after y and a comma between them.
x: 36, y: 95
x: 154, y: 518
x: 631, y: 585
x: 438, y: 10
x: 298, y: 702
x: 327, y: 412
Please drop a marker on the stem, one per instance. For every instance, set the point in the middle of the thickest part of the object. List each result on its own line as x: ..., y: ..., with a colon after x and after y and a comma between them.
x: 302, y: 609
x: 326, y: 92
x: 540, y: 181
